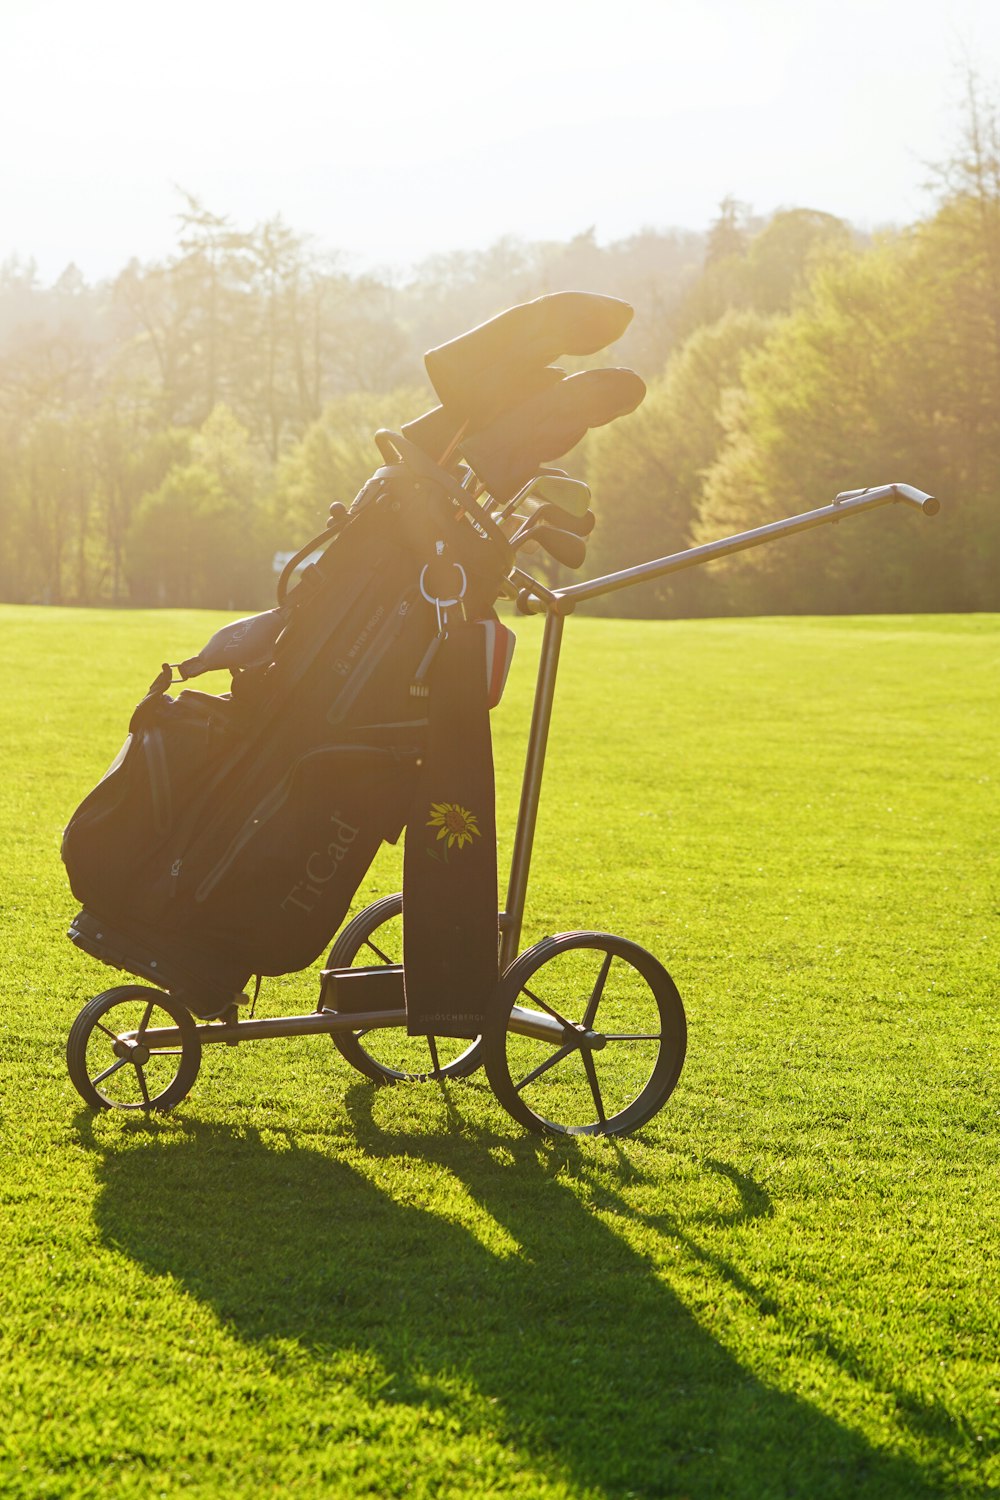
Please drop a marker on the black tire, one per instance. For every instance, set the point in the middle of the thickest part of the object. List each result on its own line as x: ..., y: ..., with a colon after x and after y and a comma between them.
x: 389, y: 1054
x: 615, y: 1042
x: 110, y: 1063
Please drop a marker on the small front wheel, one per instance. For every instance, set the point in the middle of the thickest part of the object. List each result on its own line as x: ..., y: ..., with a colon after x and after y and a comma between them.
x: 390, y: 1054
x: 118, y: 1057
x: 588, y: 1038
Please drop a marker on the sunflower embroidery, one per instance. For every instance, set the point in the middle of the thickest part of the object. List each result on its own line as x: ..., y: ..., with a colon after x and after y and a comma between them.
x: 456, y: 824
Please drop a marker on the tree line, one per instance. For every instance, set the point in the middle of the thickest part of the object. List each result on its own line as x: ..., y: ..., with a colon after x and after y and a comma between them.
x: 814, y: 363
x: 164, y: 433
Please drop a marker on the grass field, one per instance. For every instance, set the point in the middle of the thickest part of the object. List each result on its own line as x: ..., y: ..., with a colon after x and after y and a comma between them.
x: 785, y: 1285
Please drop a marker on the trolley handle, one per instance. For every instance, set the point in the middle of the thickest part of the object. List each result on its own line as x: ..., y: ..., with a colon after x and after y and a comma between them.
x: 929, y: 504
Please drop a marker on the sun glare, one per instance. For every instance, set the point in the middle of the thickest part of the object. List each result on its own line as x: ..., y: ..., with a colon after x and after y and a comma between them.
x: 389, y: 131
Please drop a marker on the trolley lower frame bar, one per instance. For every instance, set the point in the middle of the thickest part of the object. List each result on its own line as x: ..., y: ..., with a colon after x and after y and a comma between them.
x: 322, y: 1023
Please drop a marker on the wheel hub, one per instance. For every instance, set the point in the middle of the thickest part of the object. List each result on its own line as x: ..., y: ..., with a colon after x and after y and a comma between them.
x: 594, y: 1041
x: 129, y: 1051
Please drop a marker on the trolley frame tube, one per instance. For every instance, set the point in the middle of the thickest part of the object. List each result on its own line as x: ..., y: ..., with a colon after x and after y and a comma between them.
x: 534, y: 598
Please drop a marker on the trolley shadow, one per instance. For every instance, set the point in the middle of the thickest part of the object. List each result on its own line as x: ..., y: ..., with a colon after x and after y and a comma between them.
x: 594, y: 1368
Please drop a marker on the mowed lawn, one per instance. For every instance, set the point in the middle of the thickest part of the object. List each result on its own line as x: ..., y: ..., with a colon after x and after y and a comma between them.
x: 785, y: 1285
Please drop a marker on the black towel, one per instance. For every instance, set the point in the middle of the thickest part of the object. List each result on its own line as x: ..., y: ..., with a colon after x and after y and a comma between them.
x: 450, y: 930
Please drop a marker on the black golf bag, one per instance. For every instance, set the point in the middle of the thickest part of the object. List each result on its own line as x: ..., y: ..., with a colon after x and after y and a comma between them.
x: 231, y: 833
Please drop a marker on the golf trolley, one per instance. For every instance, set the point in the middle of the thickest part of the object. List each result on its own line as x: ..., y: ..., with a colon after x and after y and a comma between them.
x: 587, y: 1032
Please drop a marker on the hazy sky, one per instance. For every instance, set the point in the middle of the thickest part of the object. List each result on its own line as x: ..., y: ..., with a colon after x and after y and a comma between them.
x: 394, y: 128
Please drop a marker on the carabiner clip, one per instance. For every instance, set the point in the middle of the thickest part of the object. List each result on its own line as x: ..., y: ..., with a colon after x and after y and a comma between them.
x: 442, y: 606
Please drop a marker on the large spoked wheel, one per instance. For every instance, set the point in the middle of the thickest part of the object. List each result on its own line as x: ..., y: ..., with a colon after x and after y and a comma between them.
x: 388, y: 1054
x: 589, y: 1036
x: 115, y: 1059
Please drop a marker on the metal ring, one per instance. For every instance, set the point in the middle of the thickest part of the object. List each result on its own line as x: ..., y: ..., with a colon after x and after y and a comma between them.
x: 444, y: 603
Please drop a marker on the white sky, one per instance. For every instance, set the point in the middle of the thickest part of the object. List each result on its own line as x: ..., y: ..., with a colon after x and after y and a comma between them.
x: 395, y: 128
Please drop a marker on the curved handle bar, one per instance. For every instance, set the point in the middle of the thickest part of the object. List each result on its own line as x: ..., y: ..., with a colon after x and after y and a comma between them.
x: 929, y: 504
x: 565, y: 600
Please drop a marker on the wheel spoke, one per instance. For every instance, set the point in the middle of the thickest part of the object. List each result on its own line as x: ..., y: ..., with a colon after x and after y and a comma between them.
x: 377, y: 951
x: 432, y: 1047
x: 146, y: 1017
x: 598, y: 991
x: 549, y: 1062
x: 549, y: 1008
x: 107, y: 1030
x: 142, y: 1083
x: 108, y: 1071
x: 595, y: 1088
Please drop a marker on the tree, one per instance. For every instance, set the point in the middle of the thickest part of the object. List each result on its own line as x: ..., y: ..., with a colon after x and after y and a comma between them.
x: 210, y: 267
x: 782, y: 258
x: 646, y: 471
x: 203, y: 538
x: 970, y: 211
x: 335, y: 457
x: 52, y: 519
x: 129, y: 462
x: 761, y: 266
x: 728, y: 234
x: 860, y: 386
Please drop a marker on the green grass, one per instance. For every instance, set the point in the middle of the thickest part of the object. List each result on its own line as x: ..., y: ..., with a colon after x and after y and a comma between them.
x: 785, y: 1285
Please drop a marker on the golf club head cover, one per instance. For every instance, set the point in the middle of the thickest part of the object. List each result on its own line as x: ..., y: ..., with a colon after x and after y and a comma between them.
x: 438, y: 429
x: 506, y: 361
x: 484, y: 371
x: 450, y: 925
x: 507, y: 454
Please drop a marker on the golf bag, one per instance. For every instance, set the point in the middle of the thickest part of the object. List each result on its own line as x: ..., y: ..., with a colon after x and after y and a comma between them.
x: 231, y: 833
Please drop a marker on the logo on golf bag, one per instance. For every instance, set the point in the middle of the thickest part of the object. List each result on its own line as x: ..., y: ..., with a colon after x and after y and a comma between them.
x: 456, y: 825
x: 321, y: 867
x: 345, y: 665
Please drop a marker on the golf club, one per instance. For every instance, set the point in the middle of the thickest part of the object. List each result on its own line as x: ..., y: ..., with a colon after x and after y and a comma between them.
x: 549, y: 514
x: 572, y: 495
x: 564, y: 546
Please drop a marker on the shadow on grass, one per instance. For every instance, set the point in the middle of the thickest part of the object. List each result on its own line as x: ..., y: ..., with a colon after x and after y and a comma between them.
x: 588, y: 1365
